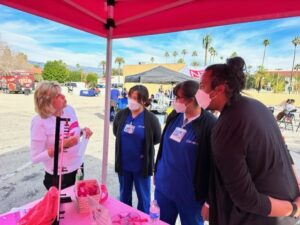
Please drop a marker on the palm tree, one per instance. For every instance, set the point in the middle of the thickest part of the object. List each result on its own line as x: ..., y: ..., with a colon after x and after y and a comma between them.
x: 195, y: 54
x: 195, y: 63
x: 152, y: 59
x: 181, y: 60
x: 297, y: 67
x: 167, y: 55
x: 119, y: 61
x: 175, y: 55
x: 247, y: 75
x: 295, y: 41
x: 81, y: 72
x: 212, y: 53
x: 234, y: 54
x: 184, y: 52
x: 103, y: 64
x: 266, y: 42
x: 206, y: 43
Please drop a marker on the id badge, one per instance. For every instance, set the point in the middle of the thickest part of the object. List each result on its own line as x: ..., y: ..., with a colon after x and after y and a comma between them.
x: 178, y: 134
x: 129, y: 128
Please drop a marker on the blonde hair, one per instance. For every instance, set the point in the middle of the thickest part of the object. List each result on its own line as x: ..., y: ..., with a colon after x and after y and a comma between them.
x: 45, y: 92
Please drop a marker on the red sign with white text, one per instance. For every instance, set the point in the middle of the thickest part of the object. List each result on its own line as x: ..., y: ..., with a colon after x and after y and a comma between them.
x: 196, y: 73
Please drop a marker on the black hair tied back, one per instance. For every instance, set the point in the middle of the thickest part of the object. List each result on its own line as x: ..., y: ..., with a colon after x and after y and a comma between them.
x: 236, y: 67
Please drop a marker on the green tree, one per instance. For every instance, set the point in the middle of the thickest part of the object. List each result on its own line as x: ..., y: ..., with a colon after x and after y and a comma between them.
x: 75, y: 76
x: 195, y: 63
x: 297, y: 83
x: 167, y: 55
x: 266, y: 42
x: 184, y: 52
x: 119, y: 61
x: 55, y: 70
x: 212, y: 53
x: 115, y: 72
x: 296, y: 42
x: 260, y: 78
x: 194, y: 54
x: 206, y: 42
x: 152, y: 59
x: 91, y: 80
x: 234, y: 54
x: 175, y: 55
x: 38, y: 77
x: 250, y: 82
x: 181, y: 60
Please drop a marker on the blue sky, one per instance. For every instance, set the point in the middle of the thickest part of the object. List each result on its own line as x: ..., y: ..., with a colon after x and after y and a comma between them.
x: 43, y: 40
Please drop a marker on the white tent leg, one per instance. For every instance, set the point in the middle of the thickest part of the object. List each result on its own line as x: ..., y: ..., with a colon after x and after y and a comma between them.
x: 107, y: 106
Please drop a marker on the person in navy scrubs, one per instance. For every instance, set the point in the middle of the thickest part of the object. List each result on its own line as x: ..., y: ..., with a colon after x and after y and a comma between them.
x: 137, y: 131
x: 182, y: 165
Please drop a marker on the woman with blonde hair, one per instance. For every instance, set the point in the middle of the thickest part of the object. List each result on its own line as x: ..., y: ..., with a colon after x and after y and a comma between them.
x: 49, y: 104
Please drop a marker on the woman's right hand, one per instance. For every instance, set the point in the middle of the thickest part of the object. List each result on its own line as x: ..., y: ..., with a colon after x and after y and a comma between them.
x: 71, y: 141
x: 68, y: 143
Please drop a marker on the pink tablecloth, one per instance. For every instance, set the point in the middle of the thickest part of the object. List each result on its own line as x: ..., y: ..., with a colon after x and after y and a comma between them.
x: 71, y: 215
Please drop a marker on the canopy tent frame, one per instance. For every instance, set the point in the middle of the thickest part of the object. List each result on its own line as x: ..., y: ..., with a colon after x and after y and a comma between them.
x: 151, y: 12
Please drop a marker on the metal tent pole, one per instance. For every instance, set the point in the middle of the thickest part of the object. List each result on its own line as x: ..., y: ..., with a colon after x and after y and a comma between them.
x: 109, y: 25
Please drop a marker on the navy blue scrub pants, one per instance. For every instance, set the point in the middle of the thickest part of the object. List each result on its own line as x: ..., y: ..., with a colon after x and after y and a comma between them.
x: 142, y: 188
x: 189, y: 214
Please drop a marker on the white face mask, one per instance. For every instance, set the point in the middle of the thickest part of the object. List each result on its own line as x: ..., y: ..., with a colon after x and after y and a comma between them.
x: 133, y: 105
x: 203, y: 99
x: 179, y: 107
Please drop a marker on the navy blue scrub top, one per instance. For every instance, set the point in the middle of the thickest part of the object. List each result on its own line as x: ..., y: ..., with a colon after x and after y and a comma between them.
x: 175, y: 170
x: 132, y: 145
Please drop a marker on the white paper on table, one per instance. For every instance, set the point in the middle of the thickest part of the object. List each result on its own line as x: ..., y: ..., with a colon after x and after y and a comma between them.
x: 83, y: 145
x: 99, y: 214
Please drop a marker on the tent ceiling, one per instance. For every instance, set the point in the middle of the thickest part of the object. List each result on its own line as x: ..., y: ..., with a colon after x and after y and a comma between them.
x: 143, y: 17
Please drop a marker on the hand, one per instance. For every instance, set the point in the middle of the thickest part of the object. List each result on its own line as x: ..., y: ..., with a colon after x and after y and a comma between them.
x: 205, y: 212
x: 297, y: 201
x: 88, y: 132
x: 50, y: 152
x: 71, y: 141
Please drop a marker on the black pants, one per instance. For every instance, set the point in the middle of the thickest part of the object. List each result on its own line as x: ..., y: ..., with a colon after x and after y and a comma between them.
x: 67, y: 179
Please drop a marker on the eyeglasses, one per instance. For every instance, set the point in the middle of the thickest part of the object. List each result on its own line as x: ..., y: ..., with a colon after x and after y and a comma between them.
x: 178, y: 97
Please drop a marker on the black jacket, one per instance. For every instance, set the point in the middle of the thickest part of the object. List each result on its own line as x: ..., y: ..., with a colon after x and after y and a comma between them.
x: 152, y: 137
x: 203, y: 127
x: 251, y: 162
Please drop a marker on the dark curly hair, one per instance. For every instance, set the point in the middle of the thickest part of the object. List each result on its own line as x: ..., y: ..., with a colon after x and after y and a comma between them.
x: 231, y: 73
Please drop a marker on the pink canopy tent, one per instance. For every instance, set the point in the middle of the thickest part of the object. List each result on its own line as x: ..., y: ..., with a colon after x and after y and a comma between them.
x: 126, y: 18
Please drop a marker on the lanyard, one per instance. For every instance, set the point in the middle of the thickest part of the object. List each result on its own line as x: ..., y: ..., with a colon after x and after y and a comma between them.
x: 185, y: 122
